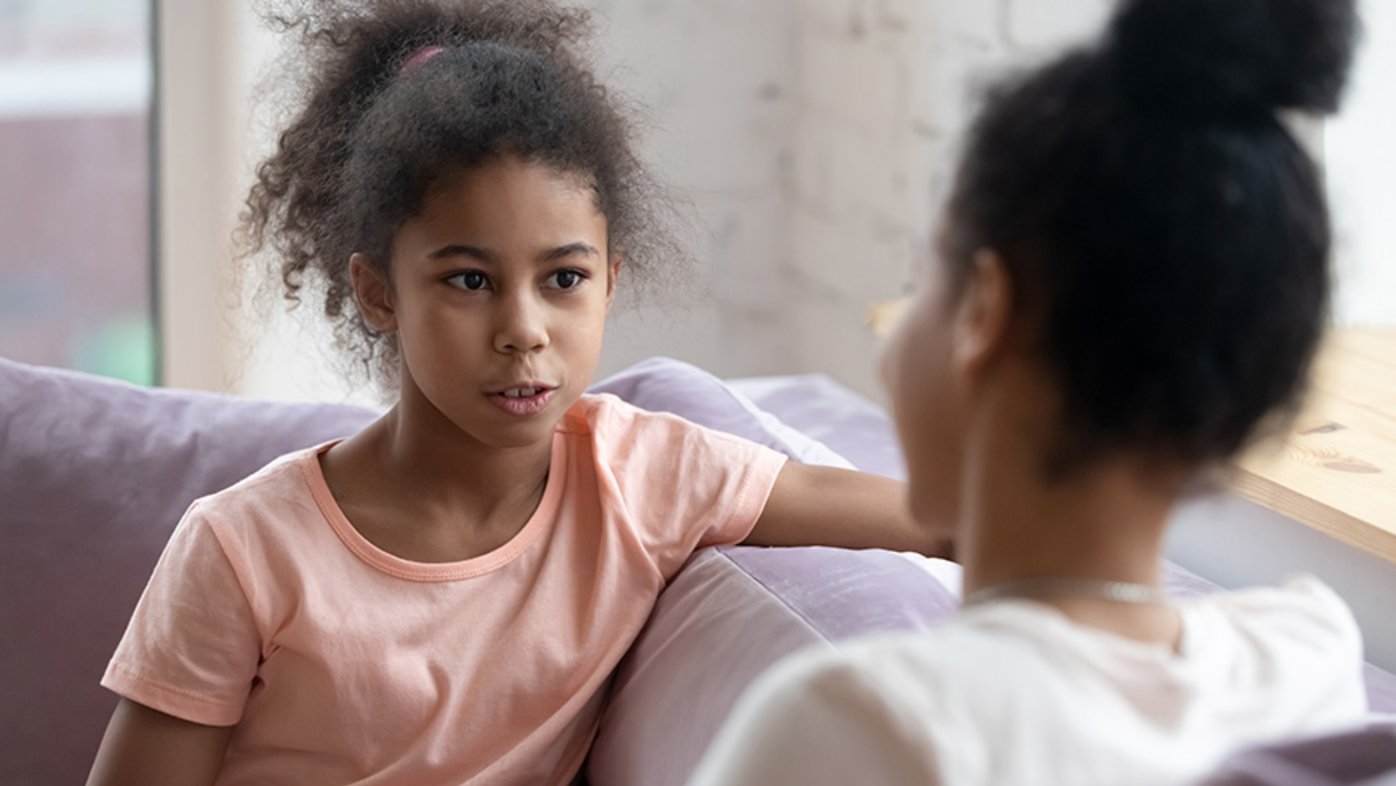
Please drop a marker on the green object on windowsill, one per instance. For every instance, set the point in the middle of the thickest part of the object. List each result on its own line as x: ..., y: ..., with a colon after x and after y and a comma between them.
x: 123, y: 348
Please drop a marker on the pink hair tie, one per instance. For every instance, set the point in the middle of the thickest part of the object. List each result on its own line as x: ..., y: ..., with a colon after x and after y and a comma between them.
x: 420, y: 58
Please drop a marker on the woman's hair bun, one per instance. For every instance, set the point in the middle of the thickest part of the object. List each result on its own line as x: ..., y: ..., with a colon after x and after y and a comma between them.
x: 1227, y: 57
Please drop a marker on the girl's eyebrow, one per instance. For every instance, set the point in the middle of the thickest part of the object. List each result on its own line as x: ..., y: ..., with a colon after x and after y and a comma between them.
x: 568, y: 250
x: 462, y: 250
x: 483, y: 255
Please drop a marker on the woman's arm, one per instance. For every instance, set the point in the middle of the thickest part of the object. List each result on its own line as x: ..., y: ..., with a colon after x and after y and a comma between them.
x: 147, y: 747
x: 826, y: 506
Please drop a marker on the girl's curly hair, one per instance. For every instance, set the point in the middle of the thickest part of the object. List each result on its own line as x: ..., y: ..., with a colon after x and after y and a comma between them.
x: 373, y: 134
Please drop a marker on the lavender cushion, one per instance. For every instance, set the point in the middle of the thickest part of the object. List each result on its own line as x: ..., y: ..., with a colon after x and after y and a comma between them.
x: 729, y: 615
x: 666, y: 385
x: 824, y: 410
x: 94, y: 474
x: 1361, y: 757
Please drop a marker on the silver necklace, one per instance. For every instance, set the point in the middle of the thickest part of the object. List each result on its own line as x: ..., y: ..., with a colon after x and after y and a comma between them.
x: 1094, y: 589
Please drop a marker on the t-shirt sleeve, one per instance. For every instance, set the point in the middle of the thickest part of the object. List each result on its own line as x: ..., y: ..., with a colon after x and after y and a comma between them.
x: 192, y: 647
x: 683, y: 486
x: 813, y: 721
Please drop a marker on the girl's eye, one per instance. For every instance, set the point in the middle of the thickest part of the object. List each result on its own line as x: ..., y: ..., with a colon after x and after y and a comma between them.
x: 566, y: 279
x: 470, y: 280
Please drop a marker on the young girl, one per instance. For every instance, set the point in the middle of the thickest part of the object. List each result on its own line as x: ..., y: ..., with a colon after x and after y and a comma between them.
x: 441, y: 598
x: 1133, y: 275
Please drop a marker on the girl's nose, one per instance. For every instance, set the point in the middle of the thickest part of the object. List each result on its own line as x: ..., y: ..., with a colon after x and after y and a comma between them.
x: 521, y: 327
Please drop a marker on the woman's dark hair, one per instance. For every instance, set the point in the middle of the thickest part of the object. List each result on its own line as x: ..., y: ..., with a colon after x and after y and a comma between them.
x: 1166, y: 236
x: 379, y: 125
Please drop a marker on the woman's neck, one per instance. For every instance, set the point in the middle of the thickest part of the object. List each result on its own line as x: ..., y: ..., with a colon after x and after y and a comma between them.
x: 1106, y: 527
x: 1104, y: 523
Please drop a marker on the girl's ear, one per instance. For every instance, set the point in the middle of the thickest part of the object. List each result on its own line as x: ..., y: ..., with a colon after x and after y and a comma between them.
x: 612, y: 276
x: 983, y: 317
x: 372, y: 293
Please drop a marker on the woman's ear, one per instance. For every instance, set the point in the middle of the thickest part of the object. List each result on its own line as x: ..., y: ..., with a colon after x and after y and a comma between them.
x: 984, y: 315
x: 372, y: 293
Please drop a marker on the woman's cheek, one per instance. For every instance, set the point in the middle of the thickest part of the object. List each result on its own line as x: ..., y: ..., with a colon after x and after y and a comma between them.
x: 892, y: 354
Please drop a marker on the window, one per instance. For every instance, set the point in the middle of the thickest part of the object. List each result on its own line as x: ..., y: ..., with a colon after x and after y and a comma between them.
x: 1360, y: 160
x: 75, y: 186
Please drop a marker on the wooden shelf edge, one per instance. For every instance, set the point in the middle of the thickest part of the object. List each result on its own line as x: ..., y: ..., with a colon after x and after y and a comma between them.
x: 1313, y: 514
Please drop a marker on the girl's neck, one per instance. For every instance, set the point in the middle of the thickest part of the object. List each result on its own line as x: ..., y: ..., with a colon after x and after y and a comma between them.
x: 419, y: 486
x: 430, y: 494
x: 446, y: 467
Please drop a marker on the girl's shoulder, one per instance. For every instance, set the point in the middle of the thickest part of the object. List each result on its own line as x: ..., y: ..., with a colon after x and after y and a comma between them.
x: 607, y: 423
x: 283, y: 487
x: 607, y: 414
x: 593, y: 408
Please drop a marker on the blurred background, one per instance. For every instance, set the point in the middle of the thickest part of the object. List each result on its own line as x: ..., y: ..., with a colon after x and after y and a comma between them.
x: 76, y: 258
x: 809, y: 141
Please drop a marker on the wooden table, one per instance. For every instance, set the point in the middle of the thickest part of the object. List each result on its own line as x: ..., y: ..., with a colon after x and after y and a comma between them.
x: 1335, y: 472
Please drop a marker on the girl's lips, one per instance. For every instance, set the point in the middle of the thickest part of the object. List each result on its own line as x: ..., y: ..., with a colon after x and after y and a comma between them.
x: 522, y: 406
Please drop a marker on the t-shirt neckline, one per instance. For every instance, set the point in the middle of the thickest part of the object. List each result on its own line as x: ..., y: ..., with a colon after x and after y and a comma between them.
x: 393, y: 565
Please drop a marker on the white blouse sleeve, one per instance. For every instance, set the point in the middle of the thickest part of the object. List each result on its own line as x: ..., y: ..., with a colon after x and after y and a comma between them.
x: 815, y: 720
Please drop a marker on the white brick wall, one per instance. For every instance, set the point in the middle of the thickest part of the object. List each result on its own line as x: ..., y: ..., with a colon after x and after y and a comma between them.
x: 813, y: 137
x: 715, y: 77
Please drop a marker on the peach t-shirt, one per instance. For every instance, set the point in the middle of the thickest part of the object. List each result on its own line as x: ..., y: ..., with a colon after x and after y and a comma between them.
x: 339, y: 663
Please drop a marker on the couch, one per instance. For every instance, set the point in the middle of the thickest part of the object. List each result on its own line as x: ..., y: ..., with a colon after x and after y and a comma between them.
x: 94, y: 474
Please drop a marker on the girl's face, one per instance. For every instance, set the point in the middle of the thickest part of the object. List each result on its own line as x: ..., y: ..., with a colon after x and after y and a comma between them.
x: 498, y: 299
x: 917, y: 371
